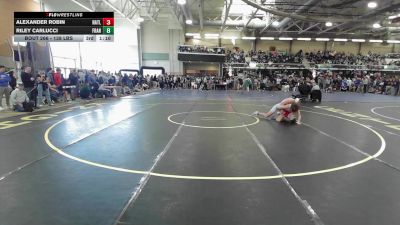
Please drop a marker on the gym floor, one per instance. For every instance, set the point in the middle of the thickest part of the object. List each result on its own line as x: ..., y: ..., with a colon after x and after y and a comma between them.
x: 194, y: 158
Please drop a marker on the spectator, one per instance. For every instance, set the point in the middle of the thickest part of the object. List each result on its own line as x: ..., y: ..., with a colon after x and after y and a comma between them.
x: 60, y: 83
x: 396, y: 84
x: 20, y: 100
x: 358, y: 85
x: 29, y: 84
x: 85, y: 92
x: 315, y: 92
x: 103, y: 91
x: 388, y: 86
x: 328, y: 87
x: 365, y: 83
x: 74, y: 82
x: 344, y: 85
x: 58, y: 79
x: 13, y: 81
x: 349, y: 84
x: 43, y: 88
x: 94, y: 87
x: 4, y: 87
x: 49, y: 75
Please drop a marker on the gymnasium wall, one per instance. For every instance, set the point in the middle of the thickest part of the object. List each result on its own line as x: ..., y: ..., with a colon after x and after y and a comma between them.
x: 7, y: 8
x: 159, y: 46
x: 346, y: 47
x: 201, y: 66
x: 306, y: 46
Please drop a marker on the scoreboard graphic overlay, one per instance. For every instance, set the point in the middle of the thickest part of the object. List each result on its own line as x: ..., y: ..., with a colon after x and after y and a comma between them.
x: 64, y: 26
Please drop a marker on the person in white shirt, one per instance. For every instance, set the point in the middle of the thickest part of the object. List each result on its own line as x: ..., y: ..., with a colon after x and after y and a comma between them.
x: 365, y: 83
x: 18, y: 98
x: 349, y: 83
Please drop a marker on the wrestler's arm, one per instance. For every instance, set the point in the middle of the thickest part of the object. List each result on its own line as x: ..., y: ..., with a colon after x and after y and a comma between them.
x: 298, y: 116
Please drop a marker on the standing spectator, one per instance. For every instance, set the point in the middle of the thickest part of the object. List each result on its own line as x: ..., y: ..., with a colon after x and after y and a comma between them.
x: 349, y: 84
x: 112, y: 81
x: 388, y: 86
x: 49, y: 75
x: 29, y: 83
x: 59, y: 82
x: 396, y: 85
x: 358, y: 85
x: 328, y: 81
x: 4, y: 87
x: 94, y: 87
x: 57, y: 78
x: 13, y: 81
x: 74, y: 81
x: 43, y: 88
x: 344, y: 86
x: 365, y: 83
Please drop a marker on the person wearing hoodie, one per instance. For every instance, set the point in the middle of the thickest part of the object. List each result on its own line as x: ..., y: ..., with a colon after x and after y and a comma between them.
x: 4, y: 87
x: 20, y: 100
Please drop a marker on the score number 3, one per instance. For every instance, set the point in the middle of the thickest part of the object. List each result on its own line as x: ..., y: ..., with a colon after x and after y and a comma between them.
x: 108, y: 21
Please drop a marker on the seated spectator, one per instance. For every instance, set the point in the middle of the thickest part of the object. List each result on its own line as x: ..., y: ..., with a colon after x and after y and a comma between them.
x: 145, y: 86
x: 103, y: 91
x: 85, y: 92
x: 137, y: 88
x: 55, y: 94
x: 304, y: 90
x: 315, y: 86
x: 66, y: 89
x: 316, y: 93
x: 20, y: 100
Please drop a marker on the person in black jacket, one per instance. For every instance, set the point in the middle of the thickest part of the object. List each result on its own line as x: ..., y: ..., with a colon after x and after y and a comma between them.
x: 74, y: 81
x: 29, y: 83
x: 13, y: 82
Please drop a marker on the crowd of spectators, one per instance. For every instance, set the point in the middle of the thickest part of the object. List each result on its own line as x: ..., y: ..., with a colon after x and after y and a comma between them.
x: 319, y: 57
x: 239, y: 56
x: 333, y: 57
x: 201, y: 49
x: 327, y: 81
x: 51, y: 86
x: 359, y: 82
